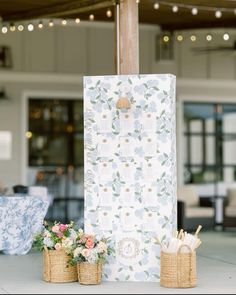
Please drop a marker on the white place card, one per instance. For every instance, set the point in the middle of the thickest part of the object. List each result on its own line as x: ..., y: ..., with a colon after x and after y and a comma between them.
x: 149, y: 122
x: 149, y: 144
x: 105, y: 195
x: 104, y: 121
x: 150, y: 220
x: 128, y: 219
x: 127, y: 195
x: 106, y: 147
x: 105, y: 171
x: 105, y: 219
x: 150, y: 170
x: 126, y: 122
x: 149, y: 195
x: 127, y: 171
x: 127, y: 146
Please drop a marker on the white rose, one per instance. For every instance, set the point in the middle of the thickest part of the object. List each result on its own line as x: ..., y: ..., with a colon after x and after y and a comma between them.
x: 102, y: 247
x: 77, y: 251
x: 67, y: 243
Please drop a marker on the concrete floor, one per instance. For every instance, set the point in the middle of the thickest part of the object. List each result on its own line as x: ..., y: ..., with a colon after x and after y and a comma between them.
x: 216, y: 273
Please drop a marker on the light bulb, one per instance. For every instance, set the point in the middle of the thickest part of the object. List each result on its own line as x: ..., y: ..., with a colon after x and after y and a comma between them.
x: 156, y: 5
x: 77, y: 20
x: 209, y: 37
x: 137, y: 1
x: 51, y: 23
x: 12, y: 28
x: 218, y: 14
x: 109, y: 13
x: 40, y: 25
x: 226, y: 37
x: 91, y: 17
x: 30, y: 27
x: 20, y: 28
x: 180, y: 38
x: 166, y: 39
x: 193, y: 38
x: 194, y: 11
x: 175, y: 8
x: 235, y: 11
x: 4, y: 29
x: 64, y: 22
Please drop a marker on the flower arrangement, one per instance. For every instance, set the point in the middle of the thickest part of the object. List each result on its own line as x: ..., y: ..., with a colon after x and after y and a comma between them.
x: 56, y: 237
x: 90, y: 249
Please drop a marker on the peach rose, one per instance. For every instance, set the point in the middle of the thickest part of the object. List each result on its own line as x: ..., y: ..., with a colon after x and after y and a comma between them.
x: 89, y: 243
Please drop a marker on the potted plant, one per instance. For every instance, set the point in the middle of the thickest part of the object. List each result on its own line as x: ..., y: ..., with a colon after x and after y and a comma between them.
x: 90, y: 254
x: 56, y: 241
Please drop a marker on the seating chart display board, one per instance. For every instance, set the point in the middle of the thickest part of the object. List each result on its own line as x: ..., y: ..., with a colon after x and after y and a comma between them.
x: 130, y: 170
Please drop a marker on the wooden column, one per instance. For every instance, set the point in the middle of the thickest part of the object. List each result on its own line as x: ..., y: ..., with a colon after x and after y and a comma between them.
x: 128, y: 37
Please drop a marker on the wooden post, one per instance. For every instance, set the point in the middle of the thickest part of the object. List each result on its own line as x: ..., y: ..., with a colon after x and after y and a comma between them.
x: 127, y: 37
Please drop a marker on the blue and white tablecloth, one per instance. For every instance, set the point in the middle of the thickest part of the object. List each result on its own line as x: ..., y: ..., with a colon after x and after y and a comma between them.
x: 20, y: 219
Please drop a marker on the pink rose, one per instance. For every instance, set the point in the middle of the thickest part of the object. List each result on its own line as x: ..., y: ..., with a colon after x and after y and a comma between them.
x: 58, y: 246
x: 85, y: 252
x: 60, y: 234
x: 62, y: 227
x: 89, y: 243
x: 55, y: 228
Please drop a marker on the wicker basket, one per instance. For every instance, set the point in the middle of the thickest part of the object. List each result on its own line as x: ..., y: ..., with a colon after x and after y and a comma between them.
x: 56, y: 268
x: 178, y: 270
x: 89, y: 273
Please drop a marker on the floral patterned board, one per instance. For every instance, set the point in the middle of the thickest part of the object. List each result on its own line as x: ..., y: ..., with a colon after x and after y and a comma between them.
x: 130, y: 170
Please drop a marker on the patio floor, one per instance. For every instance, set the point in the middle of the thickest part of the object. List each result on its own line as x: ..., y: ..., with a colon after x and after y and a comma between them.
x: 216, y: 273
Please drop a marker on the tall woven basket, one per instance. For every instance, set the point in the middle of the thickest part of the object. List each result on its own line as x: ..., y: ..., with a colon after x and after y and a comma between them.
x: 178, y: 270
x: 56, y: 268
x: 89, y: 273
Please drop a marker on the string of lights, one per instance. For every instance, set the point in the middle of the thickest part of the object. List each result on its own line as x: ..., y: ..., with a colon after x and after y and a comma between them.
x: 157, y: 4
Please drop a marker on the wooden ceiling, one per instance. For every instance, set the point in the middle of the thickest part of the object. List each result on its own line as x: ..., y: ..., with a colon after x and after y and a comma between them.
x: 17, y: 10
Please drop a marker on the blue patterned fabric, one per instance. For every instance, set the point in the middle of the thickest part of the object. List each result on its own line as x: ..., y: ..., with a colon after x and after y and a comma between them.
x: 20, y: 219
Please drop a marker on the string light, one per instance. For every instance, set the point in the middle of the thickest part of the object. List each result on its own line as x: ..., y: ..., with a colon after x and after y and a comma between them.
x: 4, y: 29
x: 20, y: 28
x: 218, y: 14
x: 77, y: 20
x: 209, y: 37
x: 109, y: 13
x: 91, y: 17
x: 226, y: 37
x: 166, y: 39
x: 156, y: 5
x: 51, y: 23
x: 193, y: 38
x: 194, y: 11
x: 180, y: 38
x: 175, y: 8
x: 30, y: 27
x: 40, y: 25
x: 64, y: 22
x: 12, y: 28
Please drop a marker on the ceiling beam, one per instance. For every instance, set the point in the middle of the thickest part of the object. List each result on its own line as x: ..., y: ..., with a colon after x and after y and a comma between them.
x: 63, y: 10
